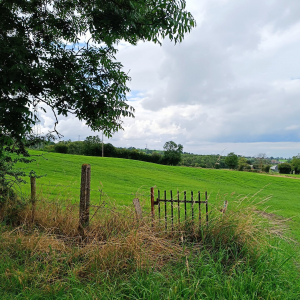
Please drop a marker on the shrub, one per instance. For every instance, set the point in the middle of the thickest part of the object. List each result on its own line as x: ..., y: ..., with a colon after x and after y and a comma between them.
x: 109, y: 150
x: 284, y: 168
x: 61, y: 148
x: 241, y: 168
x: 76, y: 148
x: 49, y: 148
x: 156, y: 157
x: 267, y: 168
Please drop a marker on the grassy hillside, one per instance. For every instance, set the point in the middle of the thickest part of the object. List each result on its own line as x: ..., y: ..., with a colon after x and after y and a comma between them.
x: 121, y: 179
x: 236, y: 257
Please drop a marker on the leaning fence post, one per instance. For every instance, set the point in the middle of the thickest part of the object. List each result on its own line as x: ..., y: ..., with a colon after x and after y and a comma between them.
x: 84, y: 207
x: 33, y: 195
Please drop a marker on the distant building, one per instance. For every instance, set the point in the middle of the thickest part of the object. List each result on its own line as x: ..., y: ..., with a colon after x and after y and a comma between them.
x: 274, y: 161
x: 274, y: 168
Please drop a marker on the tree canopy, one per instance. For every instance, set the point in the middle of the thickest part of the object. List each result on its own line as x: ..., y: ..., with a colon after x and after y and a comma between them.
x: 172, y: 154
x: 231, y: 160
x: 46, y: 62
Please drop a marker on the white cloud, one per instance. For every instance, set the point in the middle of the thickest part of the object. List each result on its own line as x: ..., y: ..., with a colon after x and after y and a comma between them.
x: 234, y: 82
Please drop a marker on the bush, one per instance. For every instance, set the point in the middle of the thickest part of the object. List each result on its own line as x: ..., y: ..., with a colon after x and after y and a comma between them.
x: 61, y: 148
x: 254, y: 170
x: 156, y: 157
x: 109, y: 150
x: 284, y: 168
x: 241, y: 168
x: 267, y: 168
x: 76, y: 148
x: 49, y: 148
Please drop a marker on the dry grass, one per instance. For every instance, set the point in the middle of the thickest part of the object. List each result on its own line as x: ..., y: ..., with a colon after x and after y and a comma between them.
x: 115, y: 242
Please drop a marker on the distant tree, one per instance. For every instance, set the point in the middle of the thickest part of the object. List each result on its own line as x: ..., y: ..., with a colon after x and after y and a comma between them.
x: 261, y: 158
x: 231, y: 160
x: 172, y: 154
x: 242, y: 163
x: 296, y: 163
x: 92, y: 146
x: 284, y: 168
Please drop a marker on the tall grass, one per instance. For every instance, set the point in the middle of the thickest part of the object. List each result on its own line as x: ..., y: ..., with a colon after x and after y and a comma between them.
x: 118, y: 257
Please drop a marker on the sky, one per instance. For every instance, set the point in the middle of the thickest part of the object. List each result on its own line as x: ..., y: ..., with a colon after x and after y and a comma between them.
x: 232, y: 85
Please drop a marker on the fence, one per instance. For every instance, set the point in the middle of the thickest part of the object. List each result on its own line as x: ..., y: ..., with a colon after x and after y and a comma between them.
x: 177, y: 210
x: 84, y: 205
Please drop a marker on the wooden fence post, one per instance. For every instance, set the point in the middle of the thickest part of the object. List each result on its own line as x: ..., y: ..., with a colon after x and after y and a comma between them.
x: 84, y: 208
x: 33, y: 195
x: 138, y: 209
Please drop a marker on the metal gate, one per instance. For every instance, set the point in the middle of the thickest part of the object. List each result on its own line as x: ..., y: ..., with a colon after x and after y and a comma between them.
x: 180, y: 208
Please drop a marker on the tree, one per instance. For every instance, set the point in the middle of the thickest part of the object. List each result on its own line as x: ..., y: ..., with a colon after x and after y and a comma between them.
x: 172, y: 154
x: 92, y: 146
x: 45, y: 64
x: 231, y: 160
x: 296, y: 163
x: 284, y: 168
x: 242, y: 163
x: 261, y: 158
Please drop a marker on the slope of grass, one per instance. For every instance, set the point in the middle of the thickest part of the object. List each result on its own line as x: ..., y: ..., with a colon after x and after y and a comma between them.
x: 120, y: 179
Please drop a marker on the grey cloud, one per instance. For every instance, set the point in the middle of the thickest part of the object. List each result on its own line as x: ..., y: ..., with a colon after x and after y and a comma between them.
x: 227, y: 83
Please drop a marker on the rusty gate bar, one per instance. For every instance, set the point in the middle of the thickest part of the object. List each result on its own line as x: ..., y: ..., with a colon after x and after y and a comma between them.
x: 206, y: 204
x: 178, y: 206
x: 192, y: 205
x: 172, y: 213
x: 158, y: 206
x: 199, y: 199
x: 166, y: 218
x: 152, y: 205
x: 185, y: 205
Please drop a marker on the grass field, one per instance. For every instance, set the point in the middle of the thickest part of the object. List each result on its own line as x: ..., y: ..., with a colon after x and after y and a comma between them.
x: 121, y: 179
x: 237, y: 256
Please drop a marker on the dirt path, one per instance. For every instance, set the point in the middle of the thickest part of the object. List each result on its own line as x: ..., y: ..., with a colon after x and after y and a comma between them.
x: 283, y: 176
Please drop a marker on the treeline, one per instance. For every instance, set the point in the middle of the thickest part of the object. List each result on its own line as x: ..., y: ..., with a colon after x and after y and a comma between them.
x: 231, y: 161
x: 172, y: 155
x: 203, y: 161
x: 92, y: 146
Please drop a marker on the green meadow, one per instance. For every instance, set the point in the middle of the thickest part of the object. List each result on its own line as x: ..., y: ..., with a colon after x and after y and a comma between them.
x: 237, y: 256
x: 120, y: 180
